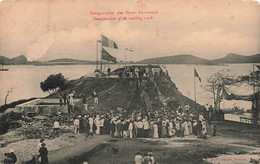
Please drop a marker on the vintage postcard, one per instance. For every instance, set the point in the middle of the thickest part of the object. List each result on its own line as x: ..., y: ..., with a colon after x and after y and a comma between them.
x: 133, y: 81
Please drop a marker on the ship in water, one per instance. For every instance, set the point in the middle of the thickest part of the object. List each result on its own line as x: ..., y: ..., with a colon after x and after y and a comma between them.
x: 3, y: 69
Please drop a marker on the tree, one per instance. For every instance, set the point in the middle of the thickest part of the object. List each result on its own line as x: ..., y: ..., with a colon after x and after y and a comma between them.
x: 253, y: 79
x: 7, y: 94
x: 216, y: 82
x: 53, y: 83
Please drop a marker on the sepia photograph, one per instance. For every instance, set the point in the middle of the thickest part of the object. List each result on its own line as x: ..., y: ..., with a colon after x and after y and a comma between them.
x: 129, y: 82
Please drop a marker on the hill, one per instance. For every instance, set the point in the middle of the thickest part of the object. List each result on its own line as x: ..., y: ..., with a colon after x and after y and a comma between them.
x: 17, y: 60
x: 69, y: 60
x: 130, y: 94
x: 177, y: 59
x: 236, y: 58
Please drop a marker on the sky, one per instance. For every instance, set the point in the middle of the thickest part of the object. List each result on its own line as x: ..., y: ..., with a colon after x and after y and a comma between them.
x: 50, y: 29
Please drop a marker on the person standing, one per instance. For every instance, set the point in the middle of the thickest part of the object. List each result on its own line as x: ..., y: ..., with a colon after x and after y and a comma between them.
x: 112, y: 127
x: 159, y: 124
x: 76, y: 125
x: 178, y: 128
x: 170, y: 129
x: 97, y: 123
x: 138, y: 158
x: 151, y: 129
x: 213, y: 130
x: 155, y: 130
x: 186, y: 128
x: 146, y: 128
x: 199, y: 128
x: 204, y: 129
x: 182, y: 129
x: 101, y: 123
x: 44, y: 154
x: 140, y: 127
x: 108, y: 71
x: 65, y: 98
x: 56, y: 126
x: 60, y: 97
x: 130, y: 128
x: 91, y: 122
x: 164, y: 131
x: 119, y: 125
x: 125, y: 129
x: 190, y: 127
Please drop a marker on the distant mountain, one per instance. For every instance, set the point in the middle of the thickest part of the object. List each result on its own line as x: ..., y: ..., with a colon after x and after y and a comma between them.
x: 68, y: 60
x: 235, y: 58
x: 177, y: 59
x: 3, y: 59
x: 17, y: 60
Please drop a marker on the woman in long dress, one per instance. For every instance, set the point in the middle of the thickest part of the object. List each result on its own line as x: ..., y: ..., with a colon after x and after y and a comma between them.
x: 155, y: 131
x: 151, y: 130
x: 170, y: 129
x: 164, y: 131
x: 97, y: 123
x: 186, y: 128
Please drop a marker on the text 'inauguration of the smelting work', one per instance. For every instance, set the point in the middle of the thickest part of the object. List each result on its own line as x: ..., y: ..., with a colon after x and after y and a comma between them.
x: 123, y: 15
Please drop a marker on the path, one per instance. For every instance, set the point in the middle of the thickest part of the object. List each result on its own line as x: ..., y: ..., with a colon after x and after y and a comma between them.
x: 63, y: 155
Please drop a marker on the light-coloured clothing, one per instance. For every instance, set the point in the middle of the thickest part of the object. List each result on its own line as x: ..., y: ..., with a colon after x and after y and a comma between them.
x: 97, y: 122
x: 190, y: 126
x: 155, y: 131
x: 170, y: 128
x: 140, y: 125
x: 146, y: 125
x: 130, y: 128
x: 56, y: 124
x: 96, y: 100
x: 138, y: 159
x: 186, y: 129
x: 91, y: 121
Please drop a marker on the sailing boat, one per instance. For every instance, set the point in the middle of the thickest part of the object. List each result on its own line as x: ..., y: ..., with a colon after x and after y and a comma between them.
x: 3, y: 69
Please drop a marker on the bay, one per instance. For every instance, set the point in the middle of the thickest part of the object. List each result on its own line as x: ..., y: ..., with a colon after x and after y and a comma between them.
x: 25, y: 80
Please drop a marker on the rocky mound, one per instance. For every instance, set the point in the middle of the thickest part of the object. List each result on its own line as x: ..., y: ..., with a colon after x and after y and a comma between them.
x: 148, y: 94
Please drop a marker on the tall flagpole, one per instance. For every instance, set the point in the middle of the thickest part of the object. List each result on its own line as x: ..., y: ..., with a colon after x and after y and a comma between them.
x: 101, y: 56
x: 125, y: 56
x: 195, y: 90
x: 254, y: 79
x: 97, y: 55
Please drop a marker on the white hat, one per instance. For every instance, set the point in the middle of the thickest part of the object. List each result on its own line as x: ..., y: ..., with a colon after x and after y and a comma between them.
x: 11, y: 150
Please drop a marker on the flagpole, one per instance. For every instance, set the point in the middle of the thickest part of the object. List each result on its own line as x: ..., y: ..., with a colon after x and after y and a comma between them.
x: 101, y: 56
x: 125, y: 56
x: 254, y: 79
x: 97, y: 55
x: 195, y: 90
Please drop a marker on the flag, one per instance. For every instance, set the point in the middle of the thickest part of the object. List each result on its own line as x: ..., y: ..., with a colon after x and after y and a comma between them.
x: 196, y: 74
x: 258, y: 67
x: 108, y: 43
x: 107, y: 56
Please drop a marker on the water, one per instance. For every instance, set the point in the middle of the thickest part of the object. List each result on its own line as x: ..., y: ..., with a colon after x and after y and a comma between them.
x: 25, y: 80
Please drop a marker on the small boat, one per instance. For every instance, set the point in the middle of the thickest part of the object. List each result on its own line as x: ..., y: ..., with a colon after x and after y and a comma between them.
x: 3, y: 69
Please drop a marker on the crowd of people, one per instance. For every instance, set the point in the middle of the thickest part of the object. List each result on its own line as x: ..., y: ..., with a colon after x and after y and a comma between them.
x: 179, y: 123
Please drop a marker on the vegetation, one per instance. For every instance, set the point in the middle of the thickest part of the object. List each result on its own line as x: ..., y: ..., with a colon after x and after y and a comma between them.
x: 216, y: 83
x: 53, y: 83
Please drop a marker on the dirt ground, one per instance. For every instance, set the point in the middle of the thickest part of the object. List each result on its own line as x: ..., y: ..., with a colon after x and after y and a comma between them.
x: 233, y: 139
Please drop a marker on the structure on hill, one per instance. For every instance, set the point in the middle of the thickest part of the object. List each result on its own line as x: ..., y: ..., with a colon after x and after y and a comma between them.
x: 145, y: 87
